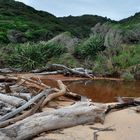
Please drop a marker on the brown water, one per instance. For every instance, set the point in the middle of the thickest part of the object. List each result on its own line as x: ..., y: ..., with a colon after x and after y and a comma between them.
x: 105, y: 91
x: 97, y: 90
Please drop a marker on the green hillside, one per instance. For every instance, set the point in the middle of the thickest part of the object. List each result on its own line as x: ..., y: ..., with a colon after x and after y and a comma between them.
x: 81, y: 25
x: 38, y: 25
x: 34, y: 24
x: 30, y: 39
x: 132, y: 19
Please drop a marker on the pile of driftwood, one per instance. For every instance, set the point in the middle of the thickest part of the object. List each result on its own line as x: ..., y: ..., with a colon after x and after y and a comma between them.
x: 62, y: 69
x: 22, y: 100
x: 54, y: 69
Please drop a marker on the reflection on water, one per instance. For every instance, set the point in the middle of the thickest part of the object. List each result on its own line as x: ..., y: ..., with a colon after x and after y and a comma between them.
x: 105, y: 91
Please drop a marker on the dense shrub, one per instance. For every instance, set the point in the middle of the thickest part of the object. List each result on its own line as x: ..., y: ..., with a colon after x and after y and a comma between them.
x: 53, y: 49
x: 30, y: 56
x: 40, y: 34
x: 128, y: 56
x: 117, y: 59
x: 90, y: 47
x: 3, y: 38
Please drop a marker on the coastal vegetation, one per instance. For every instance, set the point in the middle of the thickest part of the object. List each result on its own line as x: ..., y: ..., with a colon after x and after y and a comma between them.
x: 31, y: 39
x: 59, y: 75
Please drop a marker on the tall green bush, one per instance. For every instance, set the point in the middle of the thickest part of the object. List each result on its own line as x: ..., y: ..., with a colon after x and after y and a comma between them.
x: 90, y: 47
x: 30, y: 56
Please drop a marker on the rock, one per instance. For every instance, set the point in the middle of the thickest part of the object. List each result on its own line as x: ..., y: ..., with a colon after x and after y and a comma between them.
x: 100, y: 29
x: 65, y: 39
x: 16, y: 36
x: 132, y: 36
x: 10, y: 70
x: 113, y: 38
x: 6, y: 70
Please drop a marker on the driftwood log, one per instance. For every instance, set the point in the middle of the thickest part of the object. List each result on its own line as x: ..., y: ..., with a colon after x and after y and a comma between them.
x: 8, y: 79
x: 15, y: 101
x: 20, y: 125
x: 51, y: 72
x: 73, y: 71
x: 19, y: 88
x: 25, y: 96
x: 9, y: 70
x: 26, y: 105
x: 79, y: 113
x: 59, y: 69
x: 5, y: 108
x: 23, y: 116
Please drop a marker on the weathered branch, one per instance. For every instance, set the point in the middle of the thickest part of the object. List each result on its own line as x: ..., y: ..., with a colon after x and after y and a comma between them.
x: 99, y: 130
x: 122, y: 105
x: 73, y: 96
x: 61, y: 92
x: 35, y: 82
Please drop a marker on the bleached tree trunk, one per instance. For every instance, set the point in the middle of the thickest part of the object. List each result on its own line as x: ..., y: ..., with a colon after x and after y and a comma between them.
x: 77, y: 114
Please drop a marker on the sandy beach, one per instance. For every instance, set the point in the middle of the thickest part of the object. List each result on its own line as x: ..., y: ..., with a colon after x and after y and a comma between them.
x: 126, y: 125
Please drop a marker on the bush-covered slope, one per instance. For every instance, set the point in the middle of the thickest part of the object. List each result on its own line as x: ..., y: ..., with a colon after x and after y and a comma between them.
x: 132, y: 20
x: 38, y: 25
x: 33, y: 25
x: 81, y: 25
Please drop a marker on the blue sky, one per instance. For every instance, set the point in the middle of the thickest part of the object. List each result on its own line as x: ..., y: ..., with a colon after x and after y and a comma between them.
x: 114, y: 9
